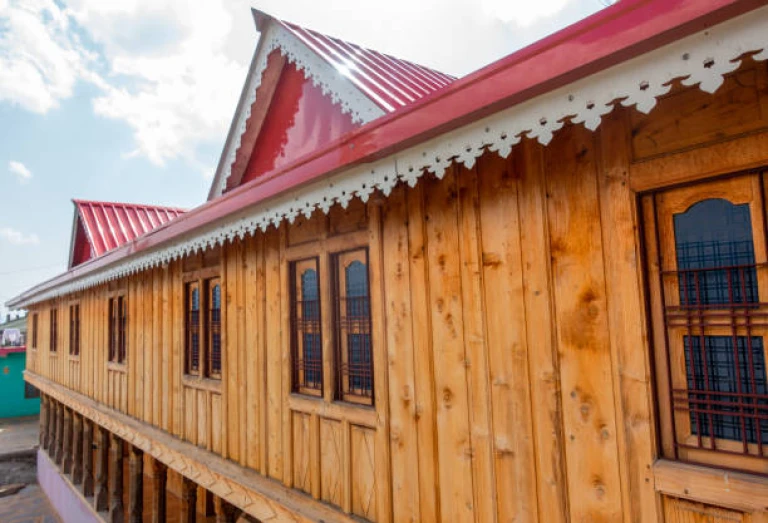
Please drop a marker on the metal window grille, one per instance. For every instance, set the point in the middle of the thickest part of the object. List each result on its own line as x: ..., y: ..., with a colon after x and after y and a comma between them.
x: 725, y: 394
x: 306, y: 332
x: 74, y: 330
x: 352, y: 336
x: 122, y: 328
x: 54, y: 330
x: 214, y: 328
x: 112, y: 319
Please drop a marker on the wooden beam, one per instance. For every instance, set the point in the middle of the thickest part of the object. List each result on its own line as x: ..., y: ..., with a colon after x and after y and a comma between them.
x: 116, y: 509
x: 244, y: 488
x: 135, y: 485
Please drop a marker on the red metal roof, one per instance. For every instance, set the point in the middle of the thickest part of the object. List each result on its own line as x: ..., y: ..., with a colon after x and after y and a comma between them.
x: 613, y: 35
x: 389, y: 82
x: 109, y: 225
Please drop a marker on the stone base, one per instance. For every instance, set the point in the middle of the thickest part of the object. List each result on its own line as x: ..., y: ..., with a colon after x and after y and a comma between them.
x: 66, y: 499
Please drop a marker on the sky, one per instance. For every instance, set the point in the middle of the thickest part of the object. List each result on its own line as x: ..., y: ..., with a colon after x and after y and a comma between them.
x: 131, y: 100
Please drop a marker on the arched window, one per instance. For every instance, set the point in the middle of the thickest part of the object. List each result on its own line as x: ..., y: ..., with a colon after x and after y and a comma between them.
x: 192, y: 349
x: 306, y: 333
x: 352, y: 336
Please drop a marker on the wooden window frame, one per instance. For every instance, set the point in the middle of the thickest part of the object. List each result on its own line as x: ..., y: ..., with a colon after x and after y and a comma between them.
x: 297, y: 333
x: 342, y: 326
x: 53, y: 346
x: 202, y: 279
x: 34, y: 331
x: 74, y: 330
x: 678, y: 440
x: 117, y: 328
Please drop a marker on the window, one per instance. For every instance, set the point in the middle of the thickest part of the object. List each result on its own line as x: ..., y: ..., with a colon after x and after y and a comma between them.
x: 192, y: 347
x: 706, y: 244
x: 306, y: 332
x: 117, y: 329
x: 352, y: 327
x: 54, y: 330
x: 213, y: 328
x: 74, y: 330
x: 203, y: 350
x: 30, y: 391
x: 34, y: 331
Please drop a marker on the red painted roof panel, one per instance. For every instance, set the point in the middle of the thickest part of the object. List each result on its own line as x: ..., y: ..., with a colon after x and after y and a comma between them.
x: 109, y: 225
x: 388, y: 81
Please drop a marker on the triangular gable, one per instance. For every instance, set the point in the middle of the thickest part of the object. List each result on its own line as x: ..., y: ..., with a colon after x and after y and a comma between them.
x: 309, y: 89
x: 99, y: 227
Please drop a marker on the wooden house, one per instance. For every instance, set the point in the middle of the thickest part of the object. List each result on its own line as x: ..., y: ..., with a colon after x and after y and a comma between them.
x: 535, y: 293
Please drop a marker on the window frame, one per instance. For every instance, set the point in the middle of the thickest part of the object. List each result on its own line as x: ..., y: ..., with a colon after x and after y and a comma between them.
x: 678, y: 441
x: 201, y: 278
x: 53, y: 332
x: 342, y: 375
x: 117, y: 328
x: 33, y: 338
x: 298, y: 375
x: 74, y: 330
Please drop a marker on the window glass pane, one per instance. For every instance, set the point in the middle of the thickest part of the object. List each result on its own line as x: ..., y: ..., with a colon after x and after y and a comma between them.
x: 193, y: 328
x: 311, y: 341
x: 725, y: 380
x: 215, y: 330
x: 715, y: 254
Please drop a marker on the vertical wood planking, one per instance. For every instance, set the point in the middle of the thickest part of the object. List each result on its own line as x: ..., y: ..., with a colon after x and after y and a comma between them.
x: 167, y: 398
x: 177, y: 365
x: 232, y: 377
x: 139, y: 322
x: 148, y: 344
x: 156, y: 348
x: 475, y: 345
x: 543, y: 361
x: 400, y: 359
x: 242, y: 348
x: 452, y: 409
x: 285, y: 359
x: 505, y: 320
x: 274, y: 354
x: 251, y: 350
x: 582, y: 327
x: 628, y: 335
x: 421, y: 321
x: 261, y: 350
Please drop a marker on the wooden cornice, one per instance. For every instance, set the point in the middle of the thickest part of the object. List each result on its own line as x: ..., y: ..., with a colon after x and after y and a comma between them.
x: 261, y: 497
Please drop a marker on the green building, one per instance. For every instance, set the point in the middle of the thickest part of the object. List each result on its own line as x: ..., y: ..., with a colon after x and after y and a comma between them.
x: 17, y: 398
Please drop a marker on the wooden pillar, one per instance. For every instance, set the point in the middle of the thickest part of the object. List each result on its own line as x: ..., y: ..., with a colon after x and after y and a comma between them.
x: 59, y: 452
x: 77, y: 448
x: 87, y: 453
x: 116, y: 508
x: 100, y: 498
x: 43, y: 421
x: 188, y: 501
x: 160, y: 477
x: 51, y: 437
x: 66, y: 465
x: 135, y: 485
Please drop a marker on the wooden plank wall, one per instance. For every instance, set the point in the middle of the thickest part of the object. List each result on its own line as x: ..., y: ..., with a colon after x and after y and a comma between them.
x: 512, y: 379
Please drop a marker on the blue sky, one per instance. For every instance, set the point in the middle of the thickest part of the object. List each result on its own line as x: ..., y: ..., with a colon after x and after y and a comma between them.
x: 130, y: 100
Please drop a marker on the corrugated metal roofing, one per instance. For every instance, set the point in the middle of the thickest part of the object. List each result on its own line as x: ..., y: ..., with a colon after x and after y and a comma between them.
x: 110, y: 224
x: 388, y: 81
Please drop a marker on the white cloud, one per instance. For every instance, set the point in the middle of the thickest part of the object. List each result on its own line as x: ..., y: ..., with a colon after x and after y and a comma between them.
x: 522, y: 13
x: 41, y: 59
x: 20, y: 170
x: 17, y: 237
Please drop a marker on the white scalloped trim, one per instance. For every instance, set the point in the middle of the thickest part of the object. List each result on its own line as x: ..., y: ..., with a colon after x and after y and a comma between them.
x: 333, y: 84
x: 701, y: 59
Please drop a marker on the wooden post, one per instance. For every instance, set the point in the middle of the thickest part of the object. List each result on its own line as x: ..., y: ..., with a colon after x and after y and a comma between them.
x: 87, y: 454
x: 66, y: 466
x: 136, y: 485
x: 59, y: 452
x: 100, y: 499
x: 50, y: 445
x: 159, y: 476
x: 77, y: 449
x: 225, y: 513
x: 188, y: 501
x: 43, y: 421
x: 116, y: 508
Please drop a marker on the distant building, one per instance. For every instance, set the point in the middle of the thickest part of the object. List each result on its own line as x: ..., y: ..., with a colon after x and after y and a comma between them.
x: 17, y: 398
